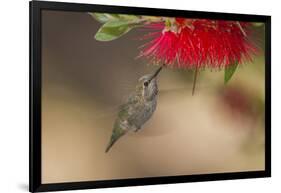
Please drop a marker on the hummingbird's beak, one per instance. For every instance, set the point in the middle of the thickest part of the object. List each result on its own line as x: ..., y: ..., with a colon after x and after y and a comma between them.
x: 156, y: 73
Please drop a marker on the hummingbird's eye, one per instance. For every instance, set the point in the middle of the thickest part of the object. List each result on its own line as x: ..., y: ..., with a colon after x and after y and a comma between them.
x: 145, y: 83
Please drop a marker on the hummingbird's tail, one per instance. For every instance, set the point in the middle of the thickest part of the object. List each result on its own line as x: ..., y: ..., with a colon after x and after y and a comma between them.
x: 117, y: 133
x: 110, y: 144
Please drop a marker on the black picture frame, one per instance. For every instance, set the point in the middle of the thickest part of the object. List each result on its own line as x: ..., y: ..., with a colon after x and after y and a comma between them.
x: 35, y: 184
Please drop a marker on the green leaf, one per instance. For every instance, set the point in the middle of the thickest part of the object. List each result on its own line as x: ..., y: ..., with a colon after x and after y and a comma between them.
x: 104, y: 17
x: 154, y: 18
x: 113, y: 29
x: 128, y: 17
x: 229, y: 71
x: 115, y: 25
x: 101, y: 17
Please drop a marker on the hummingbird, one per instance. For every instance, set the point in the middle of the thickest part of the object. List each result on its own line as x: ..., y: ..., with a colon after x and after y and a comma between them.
x: 138, y: 108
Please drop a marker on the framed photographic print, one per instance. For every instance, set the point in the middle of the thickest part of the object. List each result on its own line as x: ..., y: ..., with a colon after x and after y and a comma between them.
x: 125, y: 96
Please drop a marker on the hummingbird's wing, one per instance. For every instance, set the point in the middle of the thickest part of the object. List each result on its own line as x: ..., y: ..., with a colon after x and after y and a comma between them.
x: 105, y: 115
x: 111, y: 110
x: 184, y: 89
x: 130, y: 107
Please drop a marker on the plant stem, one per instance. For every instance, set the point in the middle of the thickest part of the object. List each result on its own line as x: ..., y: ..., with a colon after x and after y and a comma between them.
x: 195, y: 80
x: 241, y: 28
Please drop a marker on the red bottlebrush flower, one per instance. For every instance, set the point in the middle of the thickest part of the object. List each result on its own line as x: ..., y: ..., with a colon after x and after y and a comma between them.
x: 199, y: 43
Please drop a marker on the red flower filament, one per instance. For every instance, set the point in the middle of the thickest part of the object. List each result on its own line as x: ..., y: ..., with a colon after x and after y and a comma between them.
x: 199, y: 43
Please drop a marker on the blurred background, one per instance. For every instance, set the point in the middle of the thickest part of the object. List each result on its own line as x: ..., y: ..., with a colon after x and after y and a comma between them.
x: 219, y: 129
